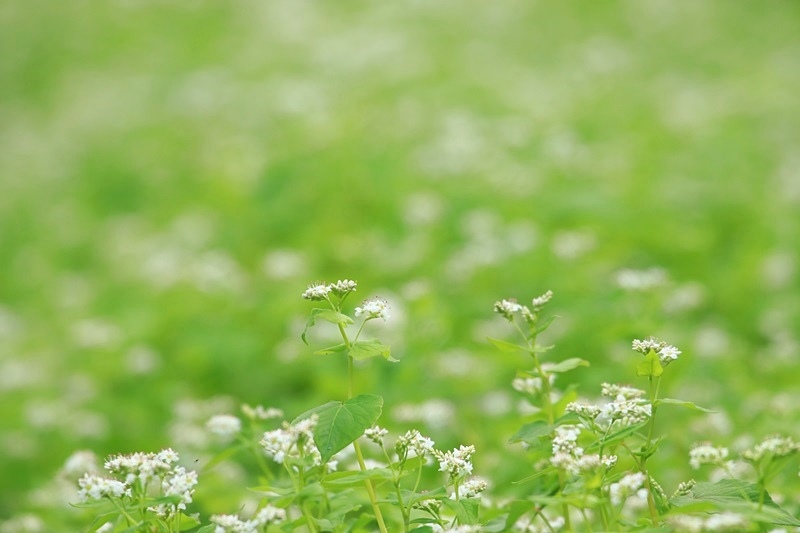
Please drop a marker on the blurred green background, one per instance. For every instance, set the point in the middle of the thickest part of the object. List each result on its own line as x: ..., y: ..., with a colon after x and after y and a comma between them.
x: 173, y: 174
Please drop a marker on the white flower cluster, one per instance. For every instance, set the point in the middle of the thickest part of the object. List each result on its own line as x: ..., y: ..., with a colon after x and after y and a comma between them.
x: 531, y: 385
x: 666, y: 353
x: 621, y: 392
x: 292, y: 441
x: 704, y: 453
x: 725, y: 521
x: 457, y: 463
x: 260, y: 413
x: 471, y: 488
x: 414, y: 443
x: 95, y: 488
x: 627, y: 486
x: 508, y: 308
x: 539, y: 302
x: 138, y: 470
x: 319, y: 290
x: 584, y: 410
x: 568, y: 456
x: 227, y: 523
x: 224, y: 425
x: 376, y: 434
x: 774, y: 446
x: 374, y: 308
x: 625, y: 413
x: 528, y: 525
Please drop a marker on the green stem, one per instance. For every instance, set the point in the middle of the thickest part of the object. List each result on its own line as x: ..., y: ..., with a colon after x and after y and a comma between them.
x: 651, y: 502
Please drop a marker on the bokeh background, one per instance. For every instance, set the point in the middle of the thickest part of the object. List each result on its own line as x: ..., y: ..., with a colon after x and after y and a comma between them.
x: 173, y: 174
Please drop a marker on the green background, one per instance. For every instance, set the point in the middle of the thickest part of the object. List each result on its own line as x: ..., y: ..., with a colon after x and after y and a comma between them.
x: 173, y: 174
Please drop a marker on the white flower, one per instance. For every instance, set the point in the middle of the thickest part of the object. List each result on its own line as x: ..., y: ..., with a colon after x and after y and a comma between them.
x: 317, y: 291
x: 224, y: 425
x: 626, y: 413
x: 412, y: 441
x: 666, y: 353
x: 539, y: 302
x: 342, y: 287
x: 95, y: 488
x: 507, y: 308
x: 621, y: 392
x: 775, y: 446
x: 374, y: 308
x: 644, y: 346
x: 705, y: 454
x: 471, y: 488
x: 292, y: 441
x: 260, y: 413
x: 182, y: 484
x: 456, y: 462
x: 227, y: 523
x: 585, y: 410
x: 79, y: 463
x: 376, y: 434
x: 625, y: 487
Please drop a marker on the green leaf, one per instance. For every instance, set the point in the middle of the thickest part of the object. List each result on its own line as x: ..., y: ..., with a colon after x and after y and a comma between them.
x: 567, y: 365
x: 516, y: 510
x: 545, y: 324
x: 331, y: 349
x: 505, y: 346
x: 340, y: 423
x: 650, y: 366
x: 329, y: 315
x: 617, y: 436
x: 682, y: 403
x: 466, y: 509
x: 532, y: 433
x: 371, y: 348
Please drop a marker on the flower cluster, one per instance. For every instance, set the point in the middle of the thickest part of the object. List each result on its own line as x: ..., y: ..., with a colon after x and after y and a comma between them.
x: 773, y: 446
x: 471, y: 488
x: 376, y: 434
x: 292, y: 441
x: 508, y: 308
x: 413, y: 442
x: 625, y: 413
x: 134, y: 474
x: 666, y: 353
x: 531, y: 385
x: 224, y: 425
x: 227, y: 523
x: 457, y: 463
x: 374, y: 308
x: 630, y: 484
x: 320, y: 290
x: 704, y: 453
x: 260, y: 413
x: 569, y: 457
x: 620, y: 392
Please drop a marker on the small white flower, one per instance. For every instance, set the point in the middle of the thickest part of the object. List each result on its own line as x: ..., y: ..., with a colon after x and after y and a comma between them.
x: 457, y: 463
x: 95, y: 488
x: 374, y: 308
x: 625, y: 487
x: 705, y: 454
x: 584, y: 410
x: 342, y: 287
x: 317, y: 291
x: 775, y: 446
x: 666, y: 353
x: 224, y: 425
x: 414, y: 443
x: 507, y: 308
x: 292, y: 441
x: 621, y: 392
x: 376, y: 434
x: 471, y: 488
x: 539, y: 302
x: 182, y: 484
x: 260, y: 413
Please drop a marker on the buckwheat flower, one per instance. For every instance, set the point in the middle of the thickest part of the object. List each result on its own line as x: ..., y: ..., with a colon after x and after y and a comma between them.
x: 228, y: 523
x: 626, y: 413
x: 566, y: 439
x: 260, y: 413
x: 317, y: 291
x: 224, y: 425
x: 142, y: 467
x: 457, y: 463
x: 625, y: 487
x: 540, y: 301
x: 530, y: 385
x: 376, y: 434
x: 644, y: 346
x: 430, y: 505
x: 374, y: 308
x: 704, y: 453
x: 471, y: 488
x: 774, y: 446
x: 507, y: 308
x: 342, y: 287
x: 621, y: 392
x: 412, y: 441
x: 684, y: 488
x: 584, y: 410
x: 95, y: 488
x: 292, y: 441
x: 182, y: 484
x: 667, y: 354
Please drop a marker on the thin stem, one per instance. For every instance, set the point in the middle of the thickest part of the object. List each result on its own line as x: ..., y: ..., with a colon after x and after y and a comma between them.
x: 651, y: 502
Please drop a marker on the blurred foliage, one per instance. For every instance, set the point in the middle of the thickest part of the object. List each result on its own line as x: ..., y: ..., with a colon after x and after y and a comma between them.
x: 174, y: 173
